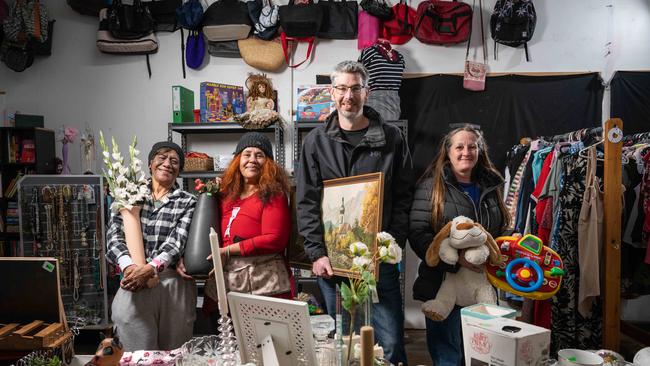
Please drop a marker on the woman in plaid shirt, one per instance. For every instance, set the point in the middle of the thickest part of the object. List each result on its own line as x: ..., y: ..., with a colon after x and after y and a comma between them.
x: 154, y: 309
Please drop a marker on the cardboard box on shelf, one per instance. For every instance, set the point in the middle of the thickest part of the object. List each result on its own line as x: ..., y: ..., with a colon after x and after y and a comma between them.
x: 503, y: 342
x: 221, y: 102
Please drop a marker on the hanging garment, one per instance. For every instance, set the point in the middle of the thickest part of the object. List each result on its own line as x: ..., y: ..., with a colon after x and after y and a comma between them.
x: 569, y: 328
x: 590, y: 237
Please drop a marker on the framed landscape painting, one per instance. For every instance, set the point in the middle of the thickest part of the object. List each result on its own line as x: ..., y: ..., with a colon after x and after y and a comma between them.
x: 351, y: 211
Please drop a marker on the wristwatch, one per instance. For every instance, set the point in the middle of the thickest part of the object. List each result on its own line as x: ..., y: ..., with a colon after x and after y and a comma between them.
x: 157, y: 265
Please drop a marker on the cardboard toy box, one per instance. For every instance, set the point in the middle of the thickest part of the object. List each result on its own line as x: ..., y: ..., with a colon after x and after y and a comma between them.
x: 221, y: 102
x: 314, y: 102
x: 31, y: 311
x: 503, y: 342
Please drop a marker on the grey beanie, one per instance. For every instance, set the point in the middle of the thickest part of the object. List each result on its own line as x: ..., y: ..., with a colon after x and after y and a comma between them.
x: 255, y: 139
x: 167, y: 145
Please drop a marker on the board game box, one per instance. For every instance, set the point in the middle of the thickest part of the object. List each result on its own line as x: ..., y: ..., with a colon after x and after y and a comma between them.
x: 221, y: 102
x: 314, y: 102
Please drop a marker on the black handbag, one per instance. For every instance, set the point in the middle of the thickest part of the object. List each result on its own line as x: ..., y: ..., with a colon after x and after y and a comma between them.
x: 378, y: 8
x: 17, y: 57
x: 129, y: 21
x: 300, y: 20
x: 340, y: 19
x: 88, y: 7
x: 228, y: 49
x: 163, y: 13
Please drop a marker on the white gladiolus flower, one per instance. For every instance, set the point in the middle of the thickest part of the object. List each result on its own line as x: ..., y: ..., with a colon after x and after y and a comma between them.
x: 358, y: 248
x: 106, y: 154
x: 136, y: 152
x: 123, y: 170
x: 117, y: 156
x: 131, y: 187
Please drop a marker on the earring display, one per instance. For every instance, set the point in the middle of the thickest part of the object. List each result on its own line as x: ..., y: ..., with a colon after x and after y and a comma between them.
x: 63, y: 217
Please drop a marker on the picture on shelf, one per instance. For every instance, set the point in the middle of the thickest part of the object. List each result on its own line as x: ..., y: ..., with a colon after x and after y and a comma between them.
x: 221, y: 102
x: 314, y: 102
x: 351, y: 212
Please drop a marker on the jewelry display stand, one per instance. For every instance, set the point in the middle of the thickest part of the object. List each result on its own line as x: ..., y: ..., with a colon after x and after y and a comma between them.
x: 62, y: 216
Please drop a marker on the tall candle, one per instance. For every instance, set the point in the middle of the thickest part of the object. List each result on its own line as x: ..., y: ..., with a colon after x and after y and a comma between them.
x: 218, y: 272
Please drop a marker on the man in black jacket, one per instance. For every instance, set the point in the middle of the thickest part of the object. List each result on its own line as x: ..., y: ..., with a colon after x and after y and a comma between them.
x: 355, y: 140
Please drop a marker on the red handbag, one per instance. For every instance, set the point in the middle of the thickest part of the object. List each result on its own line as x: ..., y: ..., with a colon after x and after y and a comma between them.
x: 399, y: 30
x: 443, y: 22
x: 286, y: 47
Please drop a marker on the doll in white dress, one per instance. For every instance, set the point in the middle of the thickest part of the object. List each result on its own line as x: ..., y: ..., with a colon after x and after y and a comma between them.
x: 260, y: 106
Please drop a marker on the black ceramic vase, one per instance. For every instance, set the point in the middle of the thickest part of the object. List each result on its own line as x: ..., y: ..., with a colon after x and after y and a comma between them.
x: 197, y: 248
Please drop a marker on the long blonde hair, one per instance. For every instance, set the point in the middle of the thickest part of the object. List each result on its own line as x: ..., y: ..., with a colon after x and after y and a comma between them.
x: 437, y: 170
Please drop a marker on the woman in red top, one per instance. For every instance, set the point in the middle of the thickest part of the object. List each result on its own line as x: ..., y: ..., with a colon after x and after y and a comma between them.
x: 255, y: 222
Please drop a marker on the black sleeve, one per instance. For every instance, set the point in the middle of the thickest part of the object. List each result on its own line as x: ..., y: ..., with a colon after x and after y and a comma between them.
x: 401, y: 190
x: 309, y: 189
x: 420, y: 230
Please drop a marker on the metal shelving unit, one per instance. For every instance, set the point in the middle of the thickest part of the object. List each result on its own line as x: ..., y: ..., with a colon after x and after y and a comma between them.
x: 185, y: 129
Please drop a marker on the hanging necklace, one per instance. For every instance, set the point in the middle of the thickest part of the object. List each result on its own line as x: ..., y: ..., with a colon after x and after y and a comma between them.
x: 35, y: 222
x: 76, y: 277
x: 48, y: 198
x: 83, y: 220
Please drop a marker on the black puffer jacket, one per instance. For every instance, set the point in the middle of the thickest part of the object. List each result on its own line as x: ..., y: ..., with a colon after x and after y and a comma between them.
x: 457, y: 203
x: 327, y: 155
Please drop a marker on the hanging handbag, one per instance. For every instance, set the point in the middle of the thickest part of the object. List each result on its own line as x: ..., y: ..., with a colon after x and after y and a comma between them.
x: 228, y: 49
x: 286, y: 47
x: 369, y: 30
x: 399, y: 30
x: 378, y: 8
x: 262, y: 55
x: 163, y: 13
x: 300, y: 20
x: 265, y: 18
x: 443, y: 22
x: 226, y: 20
x: 475, y: 72
x: 195, y: 50
x: 17, y: 57
x: 264, y: 275
x: 129, y: 21
x: 339, y: 19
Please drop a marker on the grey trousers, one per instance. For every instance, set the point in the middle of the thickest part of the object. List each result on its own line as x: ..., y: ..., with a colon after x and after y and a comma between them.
x: 386, y: 103
x: 161, y: 318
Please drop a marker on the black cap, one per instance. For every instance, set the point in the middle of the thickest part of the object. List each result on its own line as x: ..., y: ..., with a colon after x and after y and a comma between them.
x: 255, y: 139
x: 167, y: 145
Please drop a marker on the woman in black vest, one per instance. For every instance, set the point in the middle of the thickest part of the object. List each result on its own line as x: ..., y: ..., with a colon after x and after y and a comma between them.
x: 461, y: 180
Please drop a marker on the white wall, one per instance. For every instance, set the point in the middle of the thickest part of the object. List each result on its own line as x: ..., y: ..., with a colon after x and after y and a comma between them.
x: 78, y: 84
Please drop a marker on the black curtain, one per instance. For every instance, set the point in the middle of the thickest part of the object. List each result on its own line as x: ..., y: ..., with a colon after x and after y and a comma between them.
x: 631, y: 100
x: 511, y: 107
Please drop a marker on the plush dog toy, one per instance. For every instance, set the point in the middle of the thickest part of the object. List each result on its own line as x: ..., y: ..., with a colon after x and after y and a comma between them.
x: 464, y: 287
x: 108, y: 353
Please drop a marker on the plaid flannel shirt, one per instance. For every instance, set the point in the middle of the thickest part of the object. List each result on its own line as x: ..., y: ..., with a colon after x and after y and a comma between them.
x: 164, y: 230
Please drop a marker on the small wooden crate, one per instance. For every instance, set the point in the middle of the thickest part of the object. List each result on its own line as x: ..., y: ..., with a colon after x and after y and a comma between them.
x: 198, y: 164
x: 35, y: 335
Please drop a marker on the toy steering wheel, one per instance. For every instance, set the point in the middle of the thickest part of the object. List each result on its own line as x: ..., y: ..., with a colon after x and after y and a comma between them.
x: 524, y: 274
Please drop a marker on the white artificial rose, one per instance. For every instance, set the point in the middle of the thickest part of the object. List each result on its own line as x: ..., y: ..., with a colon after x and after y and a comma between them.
x: 358, y: 248
x: 362, y: 262
x: 394, y: 254
x: 385, y: 238
x: 383, y: 253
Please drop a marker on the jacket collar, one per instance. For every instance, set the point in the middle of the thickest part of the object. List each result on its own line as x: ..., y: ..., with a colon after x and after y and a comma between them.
x: 485, y: 179
x: 375, y: 137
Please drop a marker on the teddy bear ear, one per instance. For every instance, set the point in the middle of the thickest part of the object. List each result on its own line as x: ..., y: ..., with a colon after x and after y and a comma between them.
x: 433, y: 253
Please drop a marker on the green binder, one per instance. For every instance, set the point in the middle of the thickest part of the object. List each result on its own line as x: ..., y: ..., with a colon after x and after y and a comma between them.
x: 182, y: 104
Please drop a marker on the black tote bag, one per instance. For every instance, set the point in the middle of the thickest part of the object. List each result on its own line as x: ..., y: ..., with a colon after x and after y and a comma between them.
x: 340, y: 19
x: 300, y: 20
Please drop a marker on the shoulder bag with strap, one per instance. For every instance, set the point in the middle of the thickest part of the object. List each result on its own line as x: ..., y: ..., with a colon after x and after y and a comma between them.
x: 399, y: 30
x: 513, y: 23
x: 443, y: 22
x: 339, y: 19
x: 226, y: 20
x: 300, y: 20
x: 286, y: 47
x: 129, y: 21
x: 476, y: 72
